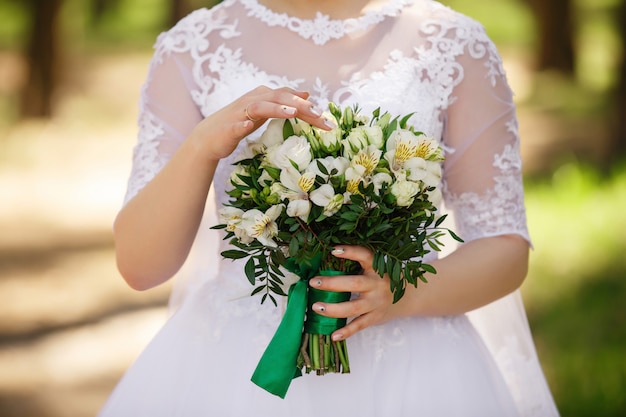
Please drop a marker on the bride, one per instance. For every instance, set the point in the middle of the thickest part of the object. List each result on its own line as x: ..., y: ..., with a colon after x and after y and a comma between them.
x: 457, y: 346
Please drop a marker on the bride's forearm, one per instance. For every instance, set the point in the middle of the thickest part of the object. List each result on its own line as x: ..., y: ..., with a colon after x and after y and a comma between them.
x: 155, y: 230
x: 474, y: 275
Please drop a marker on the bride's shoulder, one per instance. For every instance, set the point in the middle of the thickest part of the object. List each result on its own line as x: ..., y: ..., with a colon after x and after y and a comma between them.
x: 432, y: 13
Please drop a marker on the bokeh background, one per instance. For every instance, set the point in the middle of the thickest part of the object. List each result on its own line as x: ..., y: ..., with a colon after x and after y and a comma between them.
x: 70, y: 74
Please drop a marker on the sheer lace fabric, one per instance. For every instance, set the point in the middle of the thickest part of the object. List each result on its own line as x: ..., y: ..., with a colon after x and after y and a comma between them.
x: 407, y: 57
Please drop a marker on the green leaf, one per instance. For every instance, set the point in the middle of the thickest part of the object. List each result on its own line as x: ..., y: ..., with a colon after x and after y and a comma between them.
x: 234, y: 254
x: 250, y: 271
x: 287, y: 129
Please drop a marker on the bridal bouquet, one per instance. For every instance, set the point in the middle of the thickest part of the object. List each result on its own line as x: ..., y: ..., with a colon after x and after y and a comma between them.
x: 299, y: 191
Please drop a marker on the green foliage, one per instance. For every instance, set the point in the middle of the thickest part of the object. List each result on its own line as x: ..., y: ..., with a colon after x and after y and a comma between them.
x: 575, y: 292
x: 399, y: 227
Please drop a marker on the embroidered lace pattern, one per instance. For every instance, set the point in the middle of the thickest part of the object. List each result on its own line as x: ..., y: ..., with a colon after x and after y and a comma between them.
x: 322, y: 29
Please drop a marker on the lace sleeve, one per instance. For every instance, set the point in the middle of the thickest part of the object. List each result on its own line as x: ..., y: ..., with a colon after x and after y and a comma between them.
x: 167, y: 112
x: 482, y: 174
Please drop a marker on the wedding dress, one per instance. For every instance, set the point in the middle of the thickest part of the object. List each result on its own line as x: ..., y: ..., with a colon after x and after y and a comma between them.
x: 406, y: 56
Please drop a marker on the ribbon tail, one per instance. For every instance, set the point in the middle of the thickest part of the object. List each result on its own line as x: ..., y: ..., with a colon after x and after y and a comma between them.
x: 278, y: 365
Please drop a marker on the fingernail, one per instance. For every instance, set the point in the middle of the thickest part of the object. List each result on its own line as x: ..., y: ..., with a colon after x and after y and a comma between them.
x: 338, y: 251
x: 289, y: 110
x: 337, y: 337
x: 318, y: 283
x: 317, y: 112
x: 329, y: 123
x: 319, y: 308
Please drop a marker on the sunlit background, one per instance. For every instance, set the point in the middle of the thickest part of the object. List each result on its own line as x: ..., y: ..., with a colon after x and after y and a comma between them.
x: 70, y: 74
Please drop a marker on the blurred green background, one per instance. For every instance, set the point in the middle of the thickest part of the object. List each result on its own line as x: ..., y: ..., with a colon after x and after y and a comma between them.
x: 70, y: 74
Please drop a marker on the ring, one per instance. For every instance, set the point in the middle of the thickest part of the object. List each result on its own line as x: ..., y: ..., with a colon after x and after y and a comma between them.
x: 248, y: 115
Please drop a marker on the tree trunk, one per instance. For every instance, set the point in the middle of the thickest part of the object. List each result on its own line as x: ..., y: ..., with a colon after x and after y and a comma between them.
x: 618, y: 146
x: 556, y: 35
x: 42, y: 58
x: 178, y: 10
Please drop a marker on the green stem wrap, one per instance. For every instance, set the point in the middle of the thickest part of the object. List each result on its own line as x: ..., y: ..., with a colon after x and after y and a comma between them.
x: 278, y: 365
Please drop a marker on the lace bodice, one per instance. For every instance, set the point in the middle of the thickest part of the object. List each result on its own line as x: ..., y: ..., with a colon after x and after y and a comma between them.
x: 444, y: 69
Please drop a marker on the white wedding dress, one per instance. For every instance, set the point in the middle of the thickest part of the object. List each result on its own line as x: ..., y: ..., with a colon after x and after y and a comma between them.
x: 407, y: 56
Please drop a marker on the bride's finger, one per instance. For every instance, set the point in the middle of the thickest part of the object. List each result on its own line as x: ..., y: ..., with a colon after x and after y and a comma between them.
x: 264, y: 103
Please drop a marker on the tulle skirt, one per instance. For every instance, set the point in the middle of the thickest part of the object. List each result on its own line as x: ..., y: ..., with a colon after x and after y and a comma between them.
x: 201, y: 362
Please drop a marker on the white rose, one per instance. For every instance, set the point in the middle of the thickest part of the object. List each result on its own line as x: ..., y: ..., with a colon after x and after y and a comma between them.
x: 404, y: 191
x: 374, y: 136
x: 356, y: 140
x: 330, y: 140
x: 295, y: 149
x: 273, y: 134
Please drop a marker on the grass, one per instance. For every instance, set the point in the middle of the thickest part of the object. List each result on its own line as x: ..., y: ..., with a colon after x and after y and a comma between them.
x: 576, y: 291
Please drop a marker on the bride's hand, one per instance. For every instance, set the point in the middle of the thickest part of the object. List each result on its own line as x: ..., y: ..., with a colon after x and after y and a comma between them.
x: 374, y: 303
x: 219, y: 133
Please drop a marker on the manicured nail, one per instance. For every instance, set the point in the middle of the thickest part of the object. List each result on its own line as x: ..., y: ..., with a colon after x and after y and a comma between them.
x: 338, y: 251
x: 337, y: 337
x: 289, y: 110
x: 317, y: 112
x: 329, y: 123
x: 318, y: 283
x: 319, y: 308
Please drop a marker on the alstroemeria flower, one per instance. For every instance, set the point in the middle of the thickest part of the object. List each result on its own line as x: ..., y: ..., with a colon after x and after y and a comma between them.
x: 231, y: 216
x: 428, y: 172
x: 379, y: 179
x: 262, y: 226
x: 368, y: 158
x: 298, y: 186
x: 325, y: 197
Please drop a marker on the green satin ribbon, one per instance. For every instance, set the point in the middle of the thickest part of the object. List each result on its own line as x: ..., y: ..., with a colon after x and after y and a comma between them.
x: 278, y: 365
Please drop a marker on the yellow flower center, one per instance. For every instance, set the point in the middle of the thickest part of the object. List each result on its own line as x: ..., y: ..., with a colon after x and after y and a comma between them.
x: 353, y: 186
x: 367, y: 161
x: 404, y: 152
x: 259, y: 227
x: 423, y: 150
x: 305, y: 183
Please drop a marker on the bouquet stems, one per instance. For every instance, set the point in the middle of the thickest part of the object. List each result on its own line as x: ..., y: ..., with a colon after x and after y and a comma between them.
x: 321, y: 354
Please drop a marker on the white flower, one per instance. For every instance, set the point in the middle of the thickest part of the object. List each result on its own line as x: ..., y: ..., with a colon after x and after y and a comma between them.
x: 295, y: 149
x: 325, y: 197
x: 330, y: 140
x: 428, y: 172
x: 338, y: 164
x: 299, y: 126
x: 374, y: 136
x: 379, y: 179
x: 415, y: 158
x: 262, y: 226
x: 435, y: 197
x: 265, y: 178
x: 299, y: 208
x: 404, y: 191
x: 368, y: 158
x: 297, y: 187
x: 273, y: 134
x: 231, y: 216
x: 240, y: 170
x: 354, y: 142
